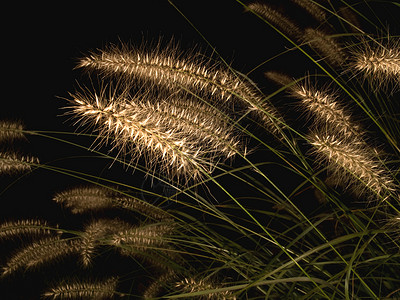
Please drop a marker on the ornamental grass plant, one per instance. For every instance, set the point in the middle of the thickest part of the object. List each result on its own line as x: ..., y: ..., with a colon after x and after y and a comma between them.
x: 284, y: 192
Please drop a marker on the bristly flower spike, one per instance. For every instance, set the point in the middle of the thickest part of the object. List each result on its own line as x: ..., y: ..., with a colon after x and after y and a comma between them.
x: 94, y: 289
x: 354, y: 165
x: 180, y: 142
x: 39, y: 253
x: 326, y: 110
x: 378, y: 62
x: 34, y: 228
x: 277, y: 19
x: 326, y: 47
x: 10, y: 131
x: 313, y: 9
x: 175, y: 70
x: 11, y: 163
x: 84, y: 199
x: 94, y: 234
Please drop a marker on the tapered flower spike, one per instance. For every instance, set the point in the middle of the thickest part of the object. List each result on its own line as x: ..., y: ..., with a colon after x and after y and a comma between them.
x: 94, y: 234
x: 84, y: 199
x: 279, y: 78
x: 34, y: 228
x: 353, y: 23
x: 11, y: 163
x: 154, y: 289
x: 378, y: 61
x: 170, y: 68
x: 94, y: 289
x: 142, y: 207
x: 326, y: 46
x: 10, y: 131
x: 180, y: 146
x: 143, y: 237
x: 39, y: 253
x: 354, y: 166
x: 326, y: 110
x: 313, y: 9
x: 191, y: 285
x: 277, y: 19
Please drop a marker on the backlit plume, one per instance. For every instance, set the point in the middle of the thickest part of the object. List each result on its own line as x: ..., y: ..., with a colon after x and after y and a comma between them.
x: 100, y: 290
x: 169, y: 68
x: 326, y: 109
x: 353, y: 165
x: 183, y: 137
x: 378, y: 62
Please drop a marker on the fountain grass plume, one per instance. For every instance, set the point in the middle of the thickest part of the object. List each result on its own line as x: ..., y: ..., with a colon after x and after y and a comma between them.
x: 313, y: 9
x: 143, y: 237
x: 12, y: 162
x: 378, y: 61
x: 89, y: 289
x: 40, y: 252
x: 86, y: 198
x: 175, y: 70
x: 94, y: 235
x: 11, y: 130
x: 183, y: 142
x: 281, y: 21
x: 20, y: 228
x: 353, y: 165
x: 326, y: 110
x: 326, y: 46
x: 193, y: 285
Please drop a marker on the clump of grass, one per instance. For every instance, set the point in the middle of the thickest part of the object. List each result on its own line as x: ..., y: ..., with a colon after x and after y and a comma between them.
x: 250, y: 233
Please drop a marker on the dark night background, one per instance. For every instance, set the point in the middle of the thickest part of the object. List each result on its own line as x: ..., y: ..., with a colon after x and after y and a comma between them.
x: 40, y: 44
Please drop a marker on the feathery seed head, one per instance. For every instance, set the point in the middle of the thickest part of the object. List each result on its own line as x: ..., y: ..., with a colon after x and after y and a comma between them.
x: 325, y: 46
x: 191, y: 285
x: 277, y: 19
x: 83, y: 199
x: 40, y: 252
x: 313, y: 9
x: 10, y: 230
x: 100, y: 290
x: 142, y: 207
x: 143, y: 237
x: 167, y: 67
x: 11, y: 163
x: 10, y: 131
x: 351, y: 18
x: 183, y: 141
x: 327, y: 111
x: 94, y: 235
x: 279, y: 78
x: 353, y: 165
x: 378, y: 62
